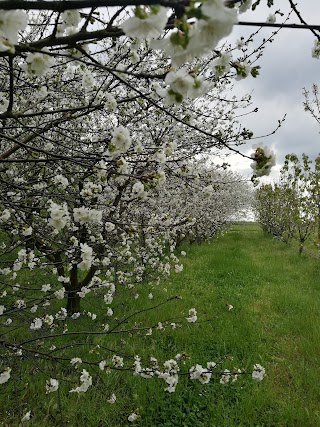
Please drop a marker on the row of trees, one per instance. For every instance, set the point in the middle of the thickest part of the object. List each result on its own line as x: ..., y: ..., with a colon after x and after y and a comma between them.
x: 290, y: 209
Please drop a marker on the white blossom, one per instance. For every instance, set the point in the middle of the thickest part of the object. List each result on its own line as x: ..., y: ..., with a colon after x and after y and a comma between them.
x: 27, y: 231
x: 11, y: 22
x: 123, y: 166
x: 36, y: 324
x: 84, y: 291
x: 258, y: 372
x: 102, y: 365
x: 192, y: 315
x: 75, y: 315
x: 178, y: 268
x: 38, y: 63
x: 112, y: 399
x: 316, y: 49
x: 93, y: 316
x: 48, y: 146
x: 264, y: 160
x: 87, y: 257
x: 76, y: 361
x: 225, y: 377
x: 20, y: 303
x: 59, y: 294
x: 52, y: 385
x: 5, y: 375
x: 4, y: 103
x: 120, y: 142
x: 84, y: 214
x: 132, y: 417
x: 88, y: 80
x: 221, y: 64
x: 240, y: 43
x: 5, y: 215
x: 61, y: 180
x: 59, y: 215
x: 211, y: 365
x: 180, y: 81
x: 199, y: 373
x: 170, y: 374
x: 110, y: 102
x: 138, y: 190
x: 71, y: 18
x: 117, y: 361
x: 271, y: 19
x: 145, y: 25
x: 243, y: 69
x: 27, y: 417
x: 63, y: 279
x: 109, y: 312
x: 90, y: 189
x: 204, y: 35
x: 61, y: 314
x: 108, y: 298
x: 86, y: 382
x: 235, y: 376
x: 109, y: 226
x: 34, y: 308
x: 245, y: 5
x: 160, y: 156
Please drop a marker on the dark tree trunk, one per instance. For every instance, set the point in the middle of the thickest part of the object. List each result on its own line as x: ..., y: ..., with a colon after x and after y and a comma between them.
x: 73, y: 302
x: 73, y: 299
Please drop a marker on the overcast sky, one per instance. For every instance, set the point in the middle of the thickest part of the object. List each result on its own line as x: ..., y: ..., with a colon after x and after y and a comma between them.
x: 286, y: 68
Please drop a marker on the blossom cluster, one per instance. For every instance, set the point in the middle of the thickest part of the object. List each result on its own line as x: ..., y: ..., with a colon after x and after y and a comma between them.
x: 264, y: 160
x: 215, y: 21
x: 11, y: 22
x: 86, y: 382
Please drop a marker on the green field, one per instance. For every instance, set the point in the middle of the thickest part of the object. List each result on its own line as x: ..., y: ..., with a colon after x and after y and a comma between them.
x: 275, y: 321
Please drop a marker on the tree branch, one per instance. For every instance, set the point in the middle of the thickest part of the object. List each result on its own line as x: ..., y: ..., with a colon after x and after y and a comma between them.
x: 61, y: 6
x: 275, y: 25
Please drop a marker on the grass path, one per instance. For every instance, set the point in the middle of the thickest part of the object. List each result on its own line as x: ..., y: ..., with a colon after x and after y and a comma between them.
x: 275, y: 321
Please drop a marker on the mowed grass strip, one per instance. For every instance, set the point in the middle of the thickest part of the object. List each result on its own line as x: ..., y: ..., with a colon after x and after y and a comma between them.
x: 275, y: 294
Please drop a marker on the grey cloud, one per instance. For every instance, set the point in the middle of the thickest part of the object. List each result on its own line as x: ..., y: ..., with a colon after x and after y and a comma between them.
x: 287, y: 67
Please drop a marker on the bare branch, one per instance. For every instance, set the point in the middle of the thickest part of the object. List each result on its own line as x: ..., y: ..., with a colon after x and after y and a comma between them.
x: 275, y: 25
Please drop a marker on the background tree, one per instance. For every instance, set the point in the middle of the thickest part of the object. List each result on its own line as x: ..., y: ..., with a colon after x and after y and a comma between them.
x: 312, y: 106
x: 290, y: 208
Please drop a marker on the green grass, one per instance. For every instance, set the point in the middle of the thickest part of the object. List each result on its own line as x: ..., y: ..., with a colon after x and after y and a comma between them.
x: 275, y: 322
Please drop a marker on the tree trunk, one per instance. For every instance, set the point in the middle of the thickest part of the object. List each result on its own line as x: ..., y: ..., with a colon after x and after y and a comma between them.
x: 318, y: 221
x: 73, y: 302
x: 73, y: 299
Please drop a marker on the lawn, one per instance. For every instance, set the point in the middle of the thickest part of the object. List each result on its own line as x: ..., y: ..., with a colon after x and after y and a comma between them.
x: 275, y: 294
